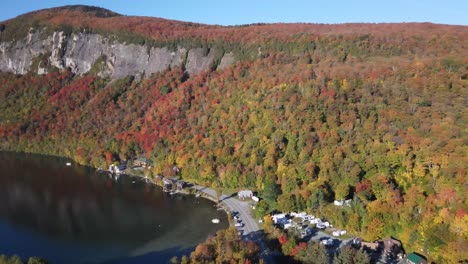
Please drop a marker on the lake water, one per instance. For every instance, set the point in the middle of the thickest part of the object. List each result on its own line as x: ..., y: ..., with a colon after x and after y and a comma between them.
x: 73, y: 214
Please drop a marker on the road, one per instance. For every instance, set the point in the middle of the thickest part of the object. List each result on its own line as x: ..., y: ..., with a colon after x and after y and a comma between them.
x: 234, y: 204
x: 250, y: 228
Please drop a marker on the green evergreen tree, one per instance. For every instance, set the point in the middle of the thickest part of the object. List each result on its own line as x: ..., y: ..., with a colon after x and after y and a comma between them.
x: 361, y: 257
x: 344, y: 256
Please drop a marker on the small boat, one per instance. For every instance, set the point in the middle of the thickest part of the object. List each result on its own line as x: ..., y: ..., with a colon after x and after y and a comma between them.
x: 215, y: 221
x: 68, y: 163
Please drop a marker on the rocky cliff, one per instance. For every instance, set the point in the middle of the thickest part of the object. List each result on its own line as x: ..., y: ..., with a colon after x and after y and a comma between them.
x: 82, y: 52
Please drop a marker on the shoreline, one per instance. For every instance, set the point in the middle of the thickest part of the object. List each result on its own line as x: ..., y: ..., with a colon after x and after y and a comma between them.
x: 204, y: 195
x: 147, y: 180
x: 228, y: 204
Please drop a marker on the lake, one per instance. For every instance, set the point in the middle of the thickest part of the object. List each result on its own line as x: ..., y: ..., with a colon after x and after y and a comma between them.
x: 74, y: 214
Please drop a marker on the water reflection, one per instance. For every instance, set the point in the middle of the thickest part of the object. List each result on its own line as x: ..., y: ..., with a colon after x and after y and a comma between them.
x: 76, y: 214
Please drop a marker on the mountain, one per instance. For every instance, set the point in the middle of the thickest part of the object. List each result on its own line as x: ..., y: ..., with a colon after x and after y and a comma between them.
x: 303, y: 113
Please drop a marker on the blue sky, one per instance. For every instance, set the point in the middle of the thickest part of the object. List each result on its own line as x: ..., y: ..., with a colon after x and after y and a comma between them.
x: 235, y: 12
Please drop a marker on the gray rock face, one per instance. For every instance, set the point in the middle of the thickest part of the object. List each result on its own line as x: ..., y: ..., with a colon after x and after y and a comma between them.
x: 17, y: 57
x: 80, y: 51
x: 197, y: 61
x: 226, y: 61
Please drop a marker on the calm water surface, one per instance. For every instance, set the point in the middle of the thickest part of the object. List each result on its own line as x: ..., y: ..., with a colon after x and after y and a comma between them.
x: 73, y: 214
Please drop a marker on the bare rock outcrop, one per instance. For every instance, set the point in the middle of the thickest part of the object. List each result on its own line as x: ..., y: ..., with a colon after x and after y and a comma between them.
x: 80, y: 51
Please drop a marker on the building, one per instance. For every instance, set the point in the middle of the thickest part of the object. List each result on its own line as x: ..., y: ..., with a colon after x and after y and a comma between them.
x: 414, y: 258
x: 142, y: 162
x: 245, y: 194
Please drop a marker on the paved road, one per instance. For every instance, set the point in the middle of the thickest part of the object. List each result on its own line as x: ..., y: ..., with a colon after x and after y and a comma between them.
x: 233, y: 204
x: 250, y: 228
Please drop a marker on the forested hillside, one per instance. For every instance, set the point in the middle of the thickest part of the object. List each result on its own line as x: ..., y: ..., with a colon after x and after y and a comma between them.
x: 306, y: 115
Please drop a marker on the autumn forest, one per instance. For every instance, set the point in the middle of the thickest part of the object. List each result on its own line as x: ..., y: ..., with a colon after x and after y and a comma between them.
x: 306, y: 115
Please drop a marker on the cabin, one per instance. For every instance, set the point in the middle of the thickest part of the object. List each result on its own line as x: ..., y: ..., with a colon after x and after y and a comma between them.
x: 414, y: 258
x: 142, y: 162
x: 245, y: 194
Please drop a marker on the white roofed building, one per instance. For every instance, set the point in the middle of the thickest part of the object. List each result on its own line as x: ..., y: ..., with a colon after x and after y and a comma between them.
x: 245, y: 194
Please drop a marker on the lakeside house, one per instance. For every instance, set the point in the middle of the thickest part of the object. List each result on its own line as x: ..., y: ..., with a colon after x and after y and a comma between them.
x: 142, y: 162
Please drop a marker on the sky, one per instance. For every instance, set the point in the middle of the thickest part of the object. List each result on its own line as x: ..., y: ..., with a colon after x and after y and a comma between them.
x: 237, y: 12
